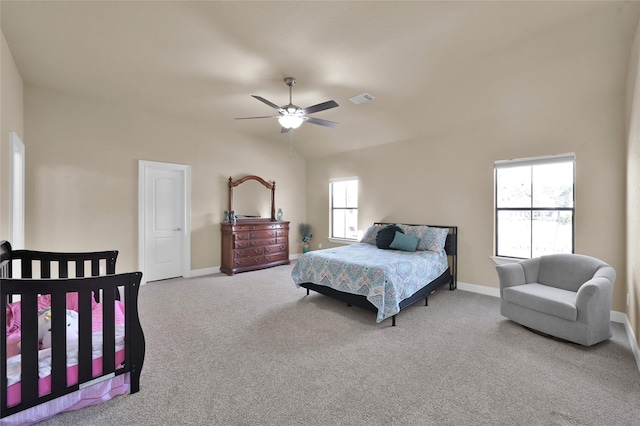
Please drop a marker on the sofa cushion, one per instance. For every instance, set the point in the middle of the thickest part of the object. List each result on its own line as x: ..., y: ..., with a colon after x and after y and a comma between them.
x: 567, y: 271
x: 549, y: 300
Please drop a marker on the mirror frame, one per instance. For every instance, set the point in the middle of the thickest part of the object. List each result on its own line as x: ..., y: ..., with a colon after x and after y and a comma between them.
x: 268, y: 185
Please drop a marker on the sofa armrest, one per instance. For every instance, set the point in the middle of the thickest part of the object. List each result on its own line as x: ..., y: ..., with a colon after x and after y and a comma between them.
x: 593, y: 299
x: 510, y: 274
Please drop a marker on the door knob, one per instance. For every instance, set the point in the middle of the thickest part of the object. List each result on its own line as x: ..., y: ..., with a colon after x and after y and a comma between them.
x: 178, y: 229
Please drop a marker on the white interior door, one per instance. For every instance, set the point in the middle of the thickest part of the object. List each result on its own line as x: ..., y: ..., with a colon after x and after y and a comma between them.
x: 164, y: 190
x: 17, y: 192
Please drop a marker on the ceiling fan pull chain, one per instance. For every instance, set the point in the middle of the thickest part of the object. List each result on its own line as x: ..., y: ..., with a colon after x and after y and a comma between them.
x: 291, y: 143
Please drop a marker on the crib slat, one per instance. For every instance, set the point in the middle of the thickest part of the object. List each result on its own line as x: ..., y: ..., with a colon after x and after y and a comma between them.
x: 45, y: 269
x: 63, y: 269
x: 95, y: 267
x: 25, y: 267
x: 84, y: 333
x: 58, y: 345
x: 29, y: 346
x: 79, y: 268
x: 108, y: 331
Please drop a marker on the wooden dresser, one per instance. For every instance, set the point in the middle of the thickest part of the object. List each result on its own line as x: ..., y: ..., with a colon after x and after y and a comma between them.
x: 254, y: 244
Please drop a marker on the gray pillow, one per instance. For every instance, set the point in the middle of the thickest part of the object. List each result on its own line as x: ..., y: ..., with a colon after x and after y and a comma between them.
x: 369, y: 236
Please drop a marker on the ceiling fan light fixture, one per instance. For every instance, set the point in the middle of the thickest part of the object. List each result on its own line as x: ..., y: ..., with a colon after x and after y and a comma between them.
x: 292, y: 116
x: 289, y: 121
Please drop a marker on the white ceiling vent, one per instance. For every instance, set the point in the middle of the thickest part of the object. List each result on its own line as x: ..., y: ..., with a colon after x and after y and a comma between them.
x: 365, y: 97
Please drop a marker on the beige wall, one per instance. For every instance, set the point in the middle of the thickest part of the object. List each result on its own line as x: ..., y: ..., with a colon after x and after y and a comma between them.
x: 633, y: 187
x: 82, y: 174
x: 11, y: 120
x: 82, y: 164
x: 447, y: 179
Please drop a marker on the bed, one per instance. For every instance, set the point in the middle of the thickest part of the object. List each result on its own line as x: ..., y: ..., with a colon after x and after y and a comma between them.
x: 383, y: 281
x: 104, y: 358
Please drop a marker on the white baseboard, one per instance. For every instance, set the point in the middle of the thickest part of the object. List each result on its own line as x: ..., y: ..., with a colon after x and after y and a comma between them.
x: 619, y: 317
x: 216, y: 269
x: 633, y: 342
x: 204, y: 271
x: 481, y: 289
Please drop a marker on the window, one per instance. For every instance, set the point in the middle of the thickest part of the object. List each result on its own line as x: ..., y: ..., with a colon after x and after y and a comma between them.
x: 344, y: 208
x: 534, y: 206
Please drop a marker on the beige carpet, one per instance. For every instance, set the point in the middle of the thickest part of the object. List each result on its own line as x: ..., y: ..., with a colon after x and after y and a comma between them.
x: 253, y: 349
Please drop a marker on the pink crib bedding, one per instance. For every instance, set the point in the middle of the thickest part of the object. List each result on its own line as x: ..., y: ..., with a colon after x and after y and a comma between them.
x: 92, y: 395
x: 44, y: 362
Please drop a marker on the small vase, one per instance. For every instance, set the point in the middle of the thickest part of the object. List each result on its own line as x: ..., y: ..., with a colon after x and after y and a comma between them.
x: 226, y: 215
x: 279, y: 217
x: 305, y: 247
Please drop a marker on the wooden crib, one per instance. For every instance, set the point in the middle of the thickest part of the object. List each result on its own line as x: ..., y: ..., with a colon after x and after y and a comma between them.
x: 92, y: 279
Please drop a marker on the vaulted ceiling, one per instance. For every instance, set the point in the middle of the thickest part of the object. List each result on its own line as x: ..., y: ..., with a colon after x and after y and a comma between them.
x: 432, y: 66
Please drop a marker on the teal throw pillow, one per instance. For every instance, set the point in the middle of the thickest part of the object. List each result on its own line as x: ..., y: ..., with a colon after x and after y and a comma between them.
x: 404, y: 242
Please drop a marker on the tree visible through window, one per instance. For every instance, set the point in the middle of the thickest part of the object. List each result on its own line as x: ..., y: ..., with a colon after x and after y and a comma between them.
x: 534, y: 206
x: 344, y: 208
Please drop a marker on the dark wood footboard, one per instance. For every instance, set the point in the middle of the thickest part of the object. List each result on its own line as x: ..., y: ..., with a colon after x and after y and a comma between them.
x: 107, y: 286
x: 93, y: 277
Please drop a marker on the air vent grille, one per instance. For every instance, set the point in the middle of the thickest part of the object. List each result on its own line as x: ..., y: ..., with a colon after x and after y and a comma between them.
x: 365, y: 97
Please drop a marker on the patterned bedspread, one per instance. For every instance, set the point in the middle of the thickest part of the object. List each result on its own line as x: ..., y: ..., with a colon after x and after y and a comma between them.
x: 385, y: 277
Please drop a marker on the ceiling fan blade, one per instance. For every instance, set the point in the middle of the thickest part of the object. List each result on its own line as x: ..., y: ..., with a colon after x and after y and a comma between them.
x: 320, y: 107
x: 271, y: 104
x: 251, y: 118
x: 321, y: 122
x: 284, y: 130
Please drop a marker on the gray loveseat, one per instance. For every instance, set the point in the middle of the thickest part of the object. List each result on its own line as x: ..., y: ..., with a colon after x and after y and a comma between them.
x: 563, y: 295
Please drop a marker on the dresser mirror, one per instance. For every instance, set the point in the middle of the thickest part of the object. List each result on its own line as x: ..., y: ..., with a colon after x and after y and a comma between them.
x: 252, y: 198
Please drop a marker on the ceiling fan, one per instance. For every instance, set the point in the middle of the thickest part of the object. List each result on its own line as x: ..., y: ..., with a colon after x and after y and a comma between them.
x: 292, y: 116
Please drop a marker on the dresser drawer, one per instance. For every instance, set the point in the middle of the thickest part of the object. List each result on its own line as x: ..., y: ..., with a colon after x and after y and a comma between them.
x: 262, y: 243
x: 242, y: 244
x: 257, y: 227
x: 244, y: 228
x: 280, y: 248
x: 281, y: 233
x: 242, y: 236
x: 257, y: 251
x: 261, y: 234
x: 248, y: 261
x: 273, y: 257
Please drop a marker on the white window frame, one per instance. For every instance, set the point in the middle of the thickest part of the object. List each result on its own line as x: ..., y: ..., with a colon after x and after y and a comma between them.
x: 331, y: 237
x: 531, y: 161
